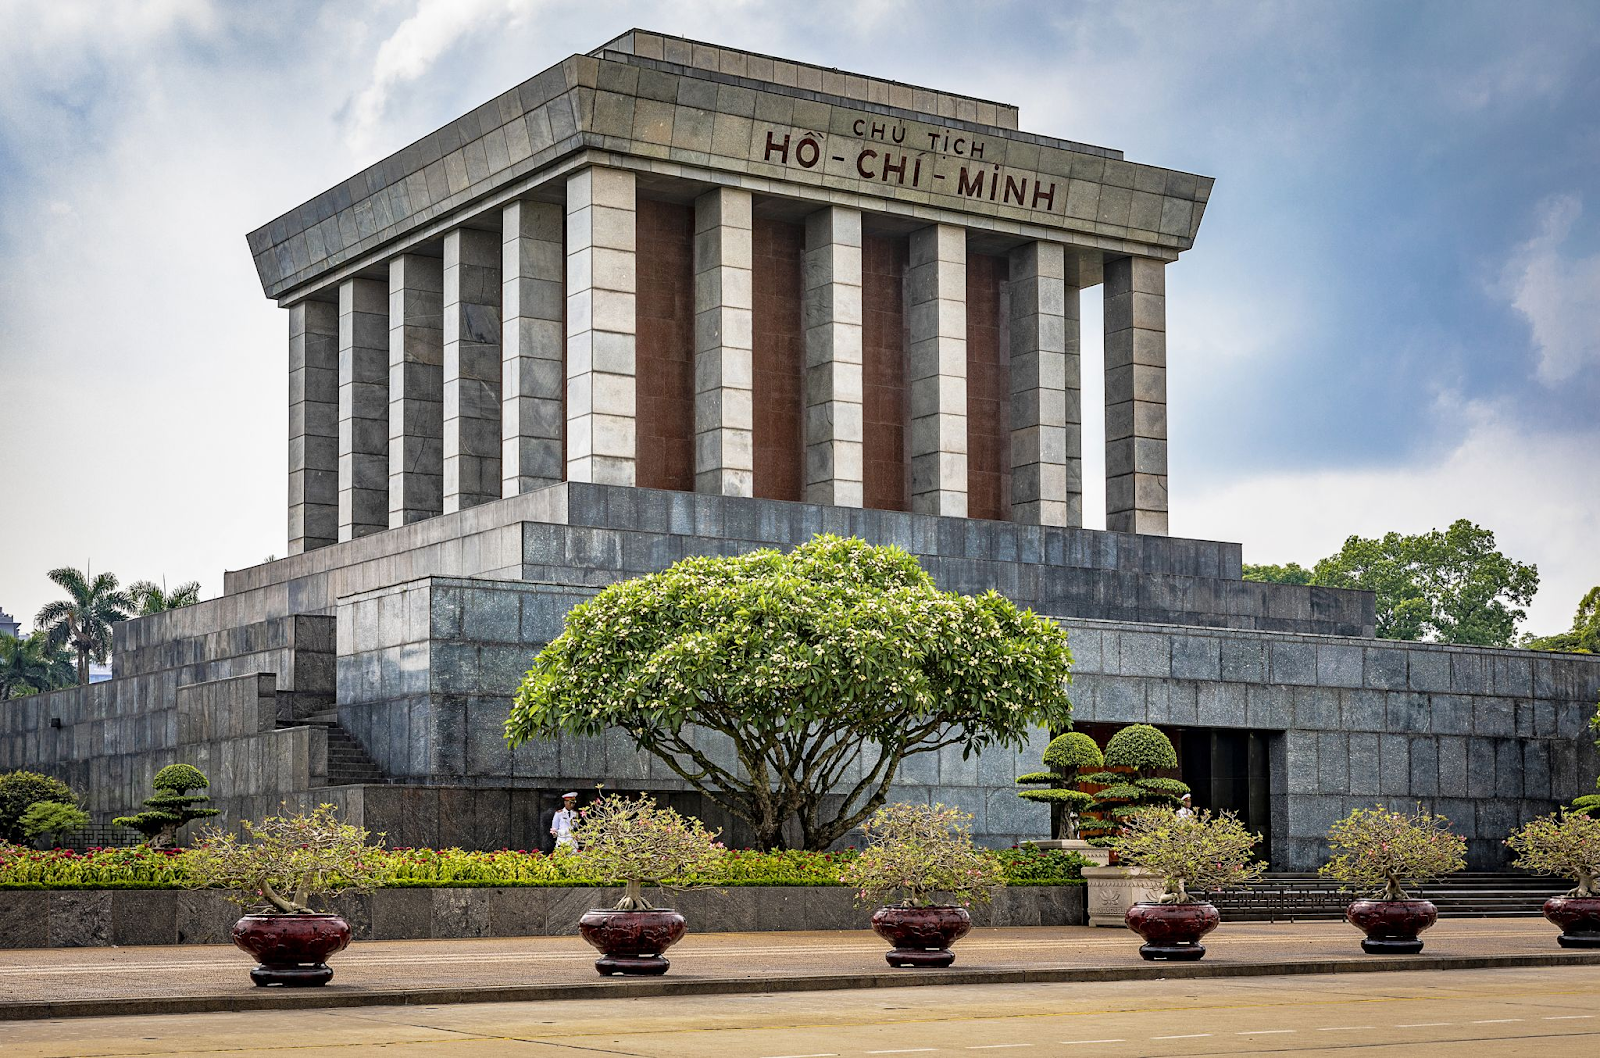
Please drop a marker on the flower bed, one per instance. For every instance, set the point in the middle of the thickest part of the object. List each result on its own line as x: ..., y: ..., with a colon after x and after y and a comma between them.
x: 141, y: 867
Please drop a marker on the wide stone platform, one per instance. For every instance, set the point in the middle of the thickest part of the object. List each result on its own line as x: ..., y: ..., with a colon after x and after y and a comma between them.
x: 108, y: 981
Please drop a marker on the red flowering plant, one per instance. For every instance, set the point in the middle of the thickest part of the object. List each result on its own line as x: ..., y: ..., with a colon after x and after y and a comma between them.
x: 638, y: 842
x: 288, y: 860
x: 1380, y: 849
x: 921, y: 852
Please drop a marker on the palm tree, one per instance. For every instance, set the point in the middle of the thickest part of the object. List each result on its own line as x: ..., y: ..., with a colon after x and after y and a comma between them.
x: 149, y: 597
x: 83, y: 620
x: 29, y: 664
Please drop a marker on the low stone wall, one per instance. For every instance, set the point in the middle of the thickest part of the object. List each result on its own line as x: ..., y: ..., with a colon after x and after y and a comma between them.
x: 102, y: 917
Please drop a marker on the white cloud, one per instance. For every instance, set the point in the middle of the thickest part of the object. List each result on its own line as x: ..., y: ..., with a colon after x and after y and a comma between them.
x: 1535, y: 491
x: 1558, y: 293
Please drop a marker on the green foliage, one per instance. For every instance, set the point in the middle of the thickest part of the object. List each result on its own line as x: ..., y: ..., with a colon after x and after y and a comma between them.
x: 1450, y: 586
x: 287, y: 861
x: 30, y: 665
x: 1208, y: 853
x: 837, y: 659
x: 19, y: 790
x: 1584, y: 637
x: 1377, y: 847
x: 1066, y: 756
x: 1567, y: 844
x: 148, y: 597
x: 921, y: 852
x: 1293, y: 573
x: 639, y: 842
x: 83, y: 620
x: 58, y: 818
x: 1141, y: 747
x: 171, y: 806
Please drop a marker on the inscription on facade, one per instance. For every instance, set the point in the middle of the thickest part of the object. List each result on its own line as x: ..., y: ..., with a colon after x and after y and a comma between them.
x: 904, y: 155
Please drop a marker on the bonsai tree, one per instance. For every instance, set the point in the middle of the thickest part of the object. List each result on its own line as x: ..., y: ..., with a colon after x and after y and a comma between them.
x: 1208, y: 852
x: 1065, y: 757
x: 19, y: 791
x: 172, y: 805
x: 795, y: 685
x: 921, y: 851
x: 1381, y: 849
x: 287, y: 861
x: 1134, y: 756
x: 1565, y: 844
x: 58, y: 818
x: 638, y: 842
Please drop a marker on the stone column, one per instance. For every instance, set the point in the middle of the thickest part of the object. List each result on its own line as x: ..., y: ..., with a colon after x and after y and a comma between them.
x: 363, y: 407
x: 1136, y: 395
x: 724, y: 415
x: 936, y: 285
x: 313, y: 425
x: 601, y: 290
x: 531, y: 379
x: 1046, y: 411
x: 834, y: 428
x: 471, y: 368
x: 416, y: 388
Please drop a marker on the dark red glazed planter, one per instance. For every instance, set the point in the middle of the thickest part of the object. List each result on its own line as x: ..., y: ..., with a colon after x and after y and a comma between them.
x: 291, y: 950
x: 921, y: 935
x: 1579, y: 919
x: 1392, y: 926
x: 1172, y: 932
x: 632, y: 942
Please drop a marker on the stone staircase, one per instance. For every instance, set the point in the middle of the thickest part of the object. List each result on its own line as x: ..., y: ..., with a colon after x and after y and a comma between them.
x: 1301, y: 897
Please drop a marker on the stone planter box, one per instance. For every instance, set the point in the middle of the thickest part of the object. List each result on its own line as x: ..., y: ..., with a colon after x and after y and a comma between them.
x: 101, y: 917
x: 1112, y: 890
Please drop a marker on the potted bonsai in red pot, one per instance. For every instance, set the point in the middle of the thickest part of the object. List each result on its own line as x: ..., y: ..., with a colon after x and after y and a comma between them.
x: 1195, y: 849
x: 638, y: 842
x: 1381, y: 850
x: 1566, y: 844
x: 920, y: 853
x: 286, y: 863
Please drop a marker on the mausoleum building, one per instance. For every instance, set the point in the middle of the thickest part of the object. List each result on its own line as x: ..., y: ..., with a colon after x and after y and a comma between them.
x: 669, y: 298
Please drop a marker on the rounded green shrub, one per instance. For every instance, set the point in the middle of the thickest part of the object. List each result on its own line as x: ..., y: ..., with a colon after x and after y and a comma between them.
x: 1072, y: 751
x: 1141, y: 747
x: 20, y: 790
x: 181, y: 778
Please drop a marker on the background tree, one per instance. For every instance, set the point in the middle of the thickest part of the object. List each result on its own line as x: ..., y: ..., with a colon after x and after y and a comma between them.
x: 1584, y: 637
x: 817, y: 673
x: 1135, y: 756
x: 83, y: 620
x: 1293, y: 573
x: 1067, y: 756
x: 30, y: 664
x: 56, y: 818
x: 19, y: 791
x: 171, y: 806
x: 151, y: 598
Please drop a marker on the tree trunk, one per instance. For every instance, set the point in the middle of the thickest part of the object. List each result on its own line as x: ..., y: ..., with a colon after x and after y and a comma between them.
x: 83, y: 667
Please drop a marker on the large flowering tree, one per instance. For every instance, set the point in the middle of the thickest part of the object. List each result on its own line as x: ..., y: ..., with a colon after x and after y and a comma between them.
x: 819, y: 671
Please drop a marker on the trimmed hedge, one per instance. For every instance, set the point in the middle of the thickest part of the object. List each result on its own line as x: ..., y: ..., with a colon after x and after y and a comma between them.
x: 142, y: 867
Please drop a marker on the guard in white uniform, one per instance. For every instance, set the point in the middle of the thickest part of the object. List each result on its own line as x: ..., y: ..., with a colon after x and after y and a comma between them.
x: 561, y: 823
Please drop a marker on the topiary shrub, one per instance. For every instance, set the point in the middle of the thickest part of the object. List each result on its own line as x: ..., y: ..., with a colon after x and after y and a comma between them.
x: 1130, y: 783
x: 171, y: 806
x: 20, y: 790
x: 1067, y: 756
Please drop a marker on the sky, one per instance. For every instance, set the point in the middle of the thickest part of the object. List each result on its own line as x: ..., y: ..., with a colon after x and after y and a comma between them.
x: 1390, y: 318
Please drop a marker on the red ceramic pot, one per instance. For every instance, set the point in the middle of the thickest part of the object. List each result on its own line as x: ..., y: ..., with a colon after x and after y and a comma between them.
x: 921, y: 935
x: 291, y: 950
x: 1392, y: 926
x: 1579, y: 919
x: 1172, y: 932
x: 632, y: 942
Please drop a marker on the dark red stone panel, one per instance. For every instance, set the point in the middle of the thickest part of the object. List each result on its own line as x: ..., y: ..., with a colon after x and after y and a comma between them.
x: 665, y: 350
x: 988, y: 391
x: 780, y: 360
x: 886, y: 483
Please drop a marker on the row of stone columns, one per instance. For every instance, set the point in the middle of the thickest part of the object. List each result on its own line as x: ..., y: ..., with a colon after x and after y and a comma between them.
x: 444, y: 387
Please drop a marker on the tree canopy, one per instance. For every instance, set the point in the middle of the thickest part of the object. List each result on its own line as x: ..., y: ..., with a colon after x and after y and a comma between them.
x: 818, y: 672
x: 1584, y: 636
x: 1449, y: 586
x: 83, y: 620
x: 151, y: 598
x: 30, y: 664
